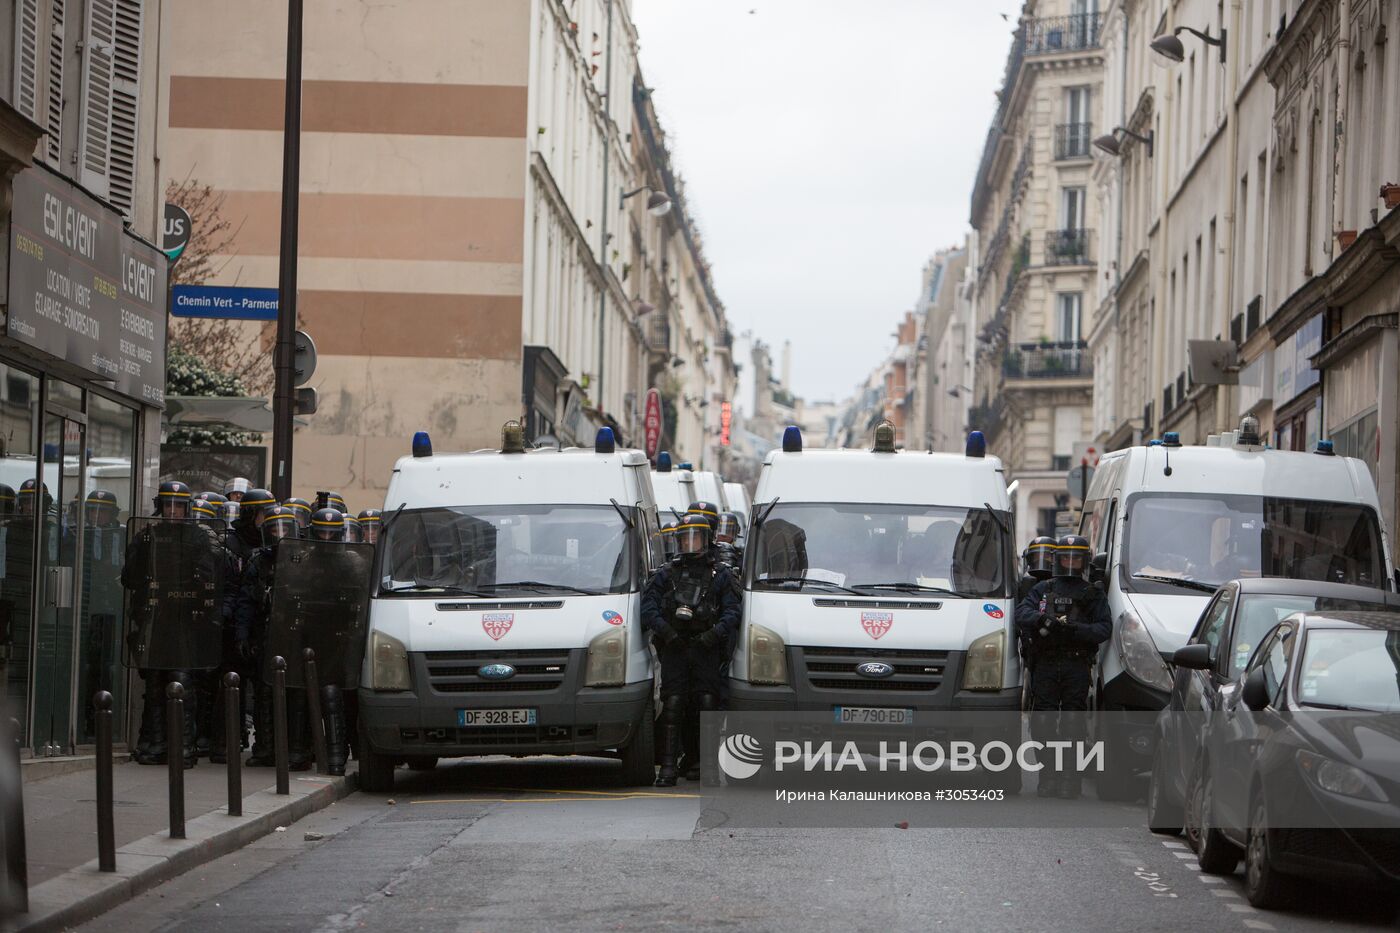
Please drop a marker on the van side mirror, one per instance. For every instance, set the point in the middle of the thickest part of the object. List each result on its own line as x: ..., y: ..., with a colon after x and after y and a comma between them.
x: 1197, y: 657
x: 1256, y: 690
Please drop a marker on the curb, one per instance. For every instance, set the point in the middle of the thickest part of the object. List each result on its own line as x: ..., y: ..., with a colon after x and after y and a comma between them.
x: 83, y: 893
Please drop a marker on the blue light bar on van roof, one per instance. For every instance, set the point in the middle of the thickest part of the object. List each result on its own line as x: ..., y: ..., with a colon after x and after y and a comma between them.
x: 1154, y: 443
x: 663, y: 462
x: 422, y: 444
x: 687, y: 465
x: 1171, y: 439
x: 792, y: 439
x: 1326, y: 449
x: 605, y: 443
x: 976, y: 444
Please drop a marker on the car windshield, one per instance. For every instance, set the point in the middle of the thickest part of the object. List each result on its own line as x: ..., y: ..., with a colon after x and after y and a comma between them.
x: 1235, y: 537
x: 882, y: 547
x: 481, y: 550
x: 1351, y: 669
x: 1259, y: 613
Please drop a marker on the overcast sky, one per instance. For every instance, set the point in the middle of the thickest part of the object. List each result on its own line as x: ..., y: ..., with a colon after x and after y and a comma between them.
x: 828, y: 148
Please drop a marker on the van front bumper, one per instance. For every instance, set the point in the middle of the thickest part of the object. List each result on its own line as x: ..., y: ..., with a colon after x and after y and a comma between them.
x: 570, y: 719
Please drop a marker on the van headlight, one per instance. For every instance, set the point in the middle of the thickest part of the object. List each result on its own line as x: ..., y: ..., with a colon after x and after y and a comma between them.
x: 388, y: 666
x: 1139, y: 653
x: 767, y: 656
x: 984, y: 665
x: 607, y: 659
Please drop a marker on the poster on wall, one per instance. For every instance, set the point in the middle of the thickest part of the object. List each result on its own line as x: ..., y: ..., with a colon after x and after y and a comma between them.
x: 206, y: 468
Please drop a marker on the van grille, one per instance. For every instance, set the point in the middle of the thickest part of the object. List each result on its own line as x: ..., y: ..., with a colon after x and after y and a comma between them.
x: 536, y: 670
x: 835, y: 669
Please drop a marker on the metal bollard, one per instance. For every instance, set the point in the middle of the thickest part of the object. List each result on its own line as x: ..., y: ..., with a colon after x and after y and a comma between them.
x: 279, y: 724
x: 106, y: 830
x: 233, y: 743
x: 175, y: 755
x: 313, y: 712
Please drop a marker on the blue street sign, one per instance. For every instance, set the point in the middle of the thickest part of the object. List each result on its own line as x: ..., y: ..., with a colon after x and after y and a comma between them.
x: 246, y: 304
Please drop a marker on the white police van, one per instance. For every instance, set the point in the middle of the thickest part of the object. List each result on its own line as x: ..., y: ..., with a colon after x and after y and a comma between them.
x: 505, y: 616
x: 1170, y: 523
x: 878, y: 585
x: 674, y: 489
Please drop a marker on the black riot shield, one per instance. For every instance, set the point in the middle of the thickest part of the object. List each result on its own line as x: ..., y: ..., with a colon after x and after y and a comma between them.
x: 174, y: 579
x: 320, y: 600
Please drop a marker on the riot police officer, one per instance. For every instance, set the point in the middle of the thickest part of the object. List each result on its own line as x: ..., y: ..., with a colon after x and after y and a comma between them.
x: 330, y: 525
x: 691, y: 609
x: 668, y: 540
x: 172, y: 501
x: 302, y: 509
x: 247, y: 522
x: 727, y: 550
x: 237, y: 489
x: 370, y: 522
x: 1064, y: 620
x: 103, y: 544
x: 331, y: 500
x: 251, y: 619
x: 1038, y: 563
x: 354, y: 534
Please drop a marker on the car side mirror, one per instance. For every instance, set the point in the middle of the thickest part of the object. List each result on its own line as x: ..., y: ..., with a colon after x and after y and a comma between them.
x: 1256, y: 690
x: 1197, y: 657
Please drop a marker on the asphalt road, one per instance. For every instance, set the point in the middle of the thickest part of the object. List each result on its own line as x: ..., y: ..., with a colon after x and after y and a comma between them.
x: 553, y: 844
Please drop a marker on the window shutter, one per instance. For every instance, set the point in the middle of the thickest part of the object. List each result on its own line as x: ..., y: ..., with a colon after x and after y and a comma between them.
x: 27, y: 58
x: 95, y: 118
x: 126, y: 71
x: 53, y: 95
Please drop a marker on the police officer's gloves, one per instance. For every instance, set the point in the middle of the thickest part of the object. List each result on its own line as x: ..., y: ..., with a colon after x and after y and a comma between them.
x: 708, y: 638
x: 664, y: 634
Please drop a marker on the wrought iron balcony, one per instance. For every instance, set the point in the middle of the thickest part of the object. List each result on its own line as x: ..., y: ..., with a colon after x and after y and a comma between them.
x: 1068, y: 247
x: 1050, y: 34
x: 1072, y: 140
x: 1048, y: 360
x: 656, y: 330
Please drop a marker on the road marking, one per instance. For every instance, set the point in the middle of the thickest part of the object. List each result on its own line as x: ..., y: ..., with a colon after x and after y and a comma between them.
x: 1190, y: 866
x: 1174, y: 845
x: 1184, y: 855
x: 1210, y: 879
x: 1241, y: 908
x: 1224, y: 892
x: 557, y: 799
x: 1258, y: 924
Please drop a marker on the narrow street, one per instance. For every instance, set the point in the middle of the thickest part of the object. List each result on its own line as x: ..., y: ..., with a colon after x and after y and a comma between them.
x: 551, y: 844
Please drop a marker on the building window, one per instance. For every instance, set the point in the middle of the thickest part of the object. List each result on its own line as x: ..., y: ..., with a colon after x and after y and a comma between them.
x: 1072, y: 208
x: 1068, y: 314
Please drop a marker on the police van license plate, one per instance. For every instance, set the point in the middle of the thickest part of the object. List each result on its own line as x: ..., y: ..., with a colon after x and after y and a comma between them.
x: 495, y: 717
x: 875, y: 716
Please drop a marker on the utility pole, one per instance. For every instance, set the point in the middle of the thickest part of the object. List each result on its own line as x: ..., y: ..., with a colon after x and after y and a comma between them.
x: 284, y: 391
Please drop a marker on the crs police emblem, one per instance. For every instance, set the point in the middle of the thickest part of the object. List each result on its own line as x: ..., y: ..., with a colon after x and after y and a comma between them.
x: 497, y: 624
x: 611, y: 617
x: 876, y: 624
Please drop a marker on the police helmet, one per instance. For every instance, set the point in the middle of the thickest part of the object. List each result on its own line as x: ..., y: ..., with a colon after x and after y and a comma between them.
x: 668, y: 539
x: 1072, y: 556
x: 692, y: 536
x: 237, y: 489
x: 331, y: 500
x: 328, y: 525
x: 370, y: 522
x: 205, y: 511
x: 302, y: 508
x: 354, y: 534
x: 1040, y: 558
x: 173, y: 499
x: 24, y: 501
x: 213, y: 498
x: 727, y: 531
x: 102, y: 508
x: 278, y: 523
x: 705, y: 510
x: 255, y: 504
x: 7, y: 499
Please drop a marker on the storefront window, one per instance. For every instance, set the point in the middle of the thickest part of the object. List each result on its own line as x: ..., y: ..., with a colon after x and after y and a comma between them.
x: 111, y: 438
x: 65, y: 393
x: 19, y: 429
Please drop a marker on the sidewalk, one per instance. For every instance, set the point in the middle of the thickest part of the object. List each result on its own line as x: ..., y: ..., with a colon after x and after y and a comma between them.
x: 60, y: 819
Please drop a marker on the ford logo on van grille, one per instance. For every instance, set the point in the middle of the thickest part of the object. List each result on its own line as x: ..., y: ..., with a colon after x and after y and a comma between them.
x: 874, y: 669
x: 495, y: 672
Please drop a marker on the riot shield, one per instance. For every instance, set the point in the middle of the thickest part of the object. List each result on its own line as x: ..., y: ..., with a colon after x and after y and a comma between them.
x: 174, y: 578
x: 320, y: 600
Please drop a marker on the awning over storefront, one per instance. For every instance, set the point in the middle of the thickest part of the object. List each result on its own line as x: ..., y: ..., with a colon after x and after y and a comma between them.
x: 228, y: 413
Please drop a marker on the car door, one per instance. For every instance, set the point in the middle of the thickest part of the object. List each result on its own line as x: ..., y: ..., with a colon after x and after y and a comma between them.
x: 1244, y: 731
x: 1195, y: 693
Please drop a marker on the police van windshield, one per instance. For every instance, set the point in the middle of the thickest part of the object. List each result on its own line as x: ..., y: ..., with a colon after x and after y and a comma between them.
x: 874, y: 549
x: 508, y: 549
x: 1203, y: 541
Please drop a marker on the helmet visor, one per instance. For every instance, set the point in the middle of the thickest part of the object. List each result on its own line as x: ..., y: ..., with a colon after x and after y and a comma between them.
x: 692, y: 539
x: 728, y: 529
x: 1071, y: 560
x: 278, y: 529
x: 1040, y: 559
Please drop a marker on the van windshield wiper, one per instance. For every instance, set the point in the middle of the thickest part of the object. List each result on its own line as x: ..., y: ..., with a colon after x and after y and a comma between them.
x: 911, y: 588
x: 1179, y: 581
x: 442, y: 588
x: 805, y: 581
x: 537, y: 585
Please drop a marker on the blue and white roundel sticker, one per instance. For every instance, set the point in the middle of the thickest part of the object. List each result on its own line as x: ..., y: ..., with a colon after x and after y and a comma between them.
x: 612, y: 618
x: 993, y: 610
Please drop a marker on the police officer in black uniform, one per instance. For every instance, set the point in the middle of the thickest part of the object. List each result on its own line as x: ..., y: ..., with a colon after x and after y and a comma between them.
x: 691, y: 610
x: 370, y: 522
x: 1038, y: 565
x: 250, y: 618
x: 727, y: 550
x: 1063, y: 620
x: 329, y: 524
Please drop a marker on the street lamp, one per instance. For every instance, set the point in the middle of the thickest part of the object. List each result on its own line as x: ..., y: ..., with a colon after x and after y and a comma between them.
x: 644, y: 307
x: 658, y: 204
x: 1171, y: 49
x: 1112, y: 143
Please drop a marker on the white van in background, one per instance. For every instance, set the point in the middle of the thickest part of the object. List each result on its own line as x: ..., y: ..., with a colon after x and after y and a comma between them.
x: 1170, y: 523
x: 878, y: 585
x: 505, y: 617
x: 737, y: 497
x: 710, y: 488
x: 674, y: 489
